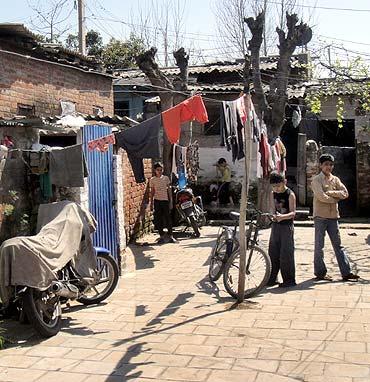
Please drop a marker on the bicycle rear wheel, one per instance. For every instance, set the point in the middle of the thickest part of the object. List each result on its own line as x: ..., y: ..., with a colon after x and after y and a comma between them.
x: 257, y: 274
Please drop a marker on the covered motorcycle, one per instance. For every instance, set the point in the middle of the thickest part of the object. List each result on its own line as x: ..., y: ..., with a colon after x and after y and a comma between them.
x: 59, y: 263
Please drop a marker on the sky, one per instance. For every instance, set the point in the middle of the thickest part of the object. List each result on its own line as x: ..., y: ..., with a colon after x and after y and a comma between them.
x: 347, y: 30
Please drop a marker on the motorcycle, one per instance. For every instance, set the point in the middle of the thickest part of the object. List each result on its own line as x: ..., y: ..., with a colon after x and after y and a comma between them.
x: 190, y: 208
x: 61, y: 265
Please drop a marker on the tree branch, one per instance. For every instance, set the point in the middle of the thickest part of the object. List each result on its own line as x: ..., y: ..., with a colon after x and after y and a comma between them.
x: 256, y: 26
x: 182, y: 61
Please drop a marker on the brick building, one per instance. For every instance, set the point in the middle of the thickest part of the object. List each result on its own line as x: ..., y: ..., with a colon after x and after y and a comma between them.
x: 35, y: 77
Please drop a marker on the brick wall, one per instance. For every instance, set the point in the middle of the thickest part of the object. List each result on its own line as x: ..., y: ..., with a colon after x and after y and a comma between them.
x: 363, y: 176
x: 136, y: 196
x: 43, y: 84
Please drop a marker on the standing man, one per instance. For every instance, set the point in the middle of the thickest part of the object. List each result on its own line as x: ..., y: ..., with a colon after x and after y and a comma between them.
x: 328, y: 190
x: 161, y: 202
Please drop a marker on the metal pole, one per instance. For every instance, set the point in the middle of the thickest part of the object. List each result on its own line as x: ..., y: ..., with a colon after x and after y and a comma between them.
x: 81, y: 27
x: 243, y: 201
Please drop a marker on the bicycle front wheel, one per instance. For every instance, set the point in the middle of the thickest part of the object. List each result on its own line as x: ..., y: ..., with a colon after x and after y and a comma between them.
x: 257, y: 273
x: 218, y: 256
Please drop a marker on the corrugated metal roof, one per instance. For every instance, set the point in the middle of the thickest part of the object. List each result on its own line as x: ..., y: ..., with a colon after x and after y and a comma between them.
x: 50, y: 122
x: 267, y: 63
x: 331, y: 87
x: 51, y: 52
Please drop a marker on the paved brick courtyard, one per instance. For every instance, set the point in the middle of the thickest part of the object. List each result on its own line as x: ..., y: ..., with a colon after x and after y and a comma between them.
x: 167, y: 322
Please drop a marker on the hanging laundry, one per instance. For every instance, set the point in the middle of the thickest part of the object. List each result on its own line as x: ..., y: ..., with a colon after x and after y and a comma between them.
x: 188, y: 110
x: 265, y: 155
x: 38, y: 161
x: 240, y: 105
x: 192, y: 166
x: 7, y: 141
x: 3, y: 156
x: 255, y: 124
x: 232, y: 128
x: 101, y: 144
x: 141, y: 141
x: 282, y: 150
x: 296, y: 117
x: 67, y: 167
x: 45, y: 187
x: 178, y: 159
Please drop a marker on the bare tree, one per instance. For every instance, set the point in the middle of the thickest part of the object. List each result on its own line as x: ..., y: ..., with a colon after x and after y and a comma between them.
x: 272, y: 106
x: 50, y: 19
x: 234, y: 34
x: 160, y: 24
x: 147, y: 63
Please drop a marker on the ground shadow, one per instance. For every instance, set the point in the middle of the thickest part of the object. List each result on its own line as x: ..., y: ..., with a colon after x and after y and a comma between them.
x: 141, y: 258
x: 24, y: 335
x: 153, y: 327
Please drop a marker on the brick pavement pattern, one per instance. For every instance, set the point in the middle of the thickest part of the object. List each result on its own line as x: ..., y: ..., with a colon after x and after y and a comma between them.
x: 167, y: 322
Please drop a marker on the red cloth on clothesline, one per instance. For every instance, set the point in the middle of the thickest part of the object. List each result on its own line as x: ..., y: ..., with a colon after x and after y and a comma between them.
x: 188, y: 110
x: 101, y: 144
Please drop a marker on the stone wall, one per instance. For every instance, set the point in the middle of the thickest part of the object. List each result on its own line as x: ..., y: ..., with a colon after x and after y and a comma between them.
x: 312, y: 168
x: 363, y: 174
x: 138, y: 218
x: 42, y: 85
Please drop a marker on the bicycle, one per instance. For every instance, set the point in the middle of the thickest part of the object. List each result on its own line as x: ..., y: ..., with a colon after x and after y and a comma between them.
x: 226, y: 256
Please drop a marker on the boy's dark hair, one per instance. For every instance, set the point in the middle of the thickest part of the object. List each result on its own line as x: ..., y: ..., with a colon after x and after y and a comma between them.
x: 157, y: 164
x: 325, y: 158
x: 276, y: 178
x: 221, y: 160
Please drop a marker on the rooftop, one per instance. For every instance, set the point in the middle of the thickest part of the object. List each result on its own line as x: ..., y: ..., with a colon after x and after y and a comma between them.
x: 21, y: 40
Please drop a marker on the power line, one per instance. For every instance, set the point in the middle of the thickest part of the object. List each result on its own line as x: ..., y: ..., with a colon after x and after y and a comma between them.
x: 340, y: 39
x: 320, y: 7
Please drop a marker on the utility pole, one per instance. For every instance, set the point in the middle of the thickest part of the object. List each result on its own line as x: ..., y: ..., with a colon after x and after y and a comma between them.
x: 81, y: 27
x: 244, y: 202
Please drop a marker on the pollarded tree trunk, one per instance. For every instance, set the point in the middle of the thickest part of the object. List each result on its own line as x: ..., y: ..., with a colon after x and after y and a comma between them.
x: 146, y: 62
x: 272, y: 106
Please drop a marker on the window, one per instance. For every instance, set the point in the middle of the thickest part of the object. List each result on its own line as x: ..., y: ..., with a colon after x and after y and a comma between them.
x: 122, y: 108
x: 26, y: 110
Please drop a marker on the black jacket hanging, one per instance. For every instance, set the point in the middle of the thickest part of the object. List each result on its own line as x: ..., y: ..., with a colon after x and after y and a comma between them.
x: 141, y: 141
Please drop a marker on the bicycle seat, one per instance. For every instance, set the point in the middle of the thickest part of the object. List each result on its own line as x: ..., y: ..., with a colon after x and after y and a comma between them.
x: 234, y: 215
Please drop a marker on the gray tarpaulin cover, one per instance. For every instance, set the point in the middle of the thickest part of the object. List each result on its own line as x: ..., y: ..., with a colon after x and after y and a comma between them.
x: 64, y: 230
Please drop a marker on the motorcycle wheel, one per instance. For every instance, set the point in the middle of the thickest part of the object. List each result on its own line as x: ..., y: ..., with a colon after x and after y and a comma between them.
x: 43, y: 312
x: 201, y: 219
x: 109, y: 273
x: 194, y: 225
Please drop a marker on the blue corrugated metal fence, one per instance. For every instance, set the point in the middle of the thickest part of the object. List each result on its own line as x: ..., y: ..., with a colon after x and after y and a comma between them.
x: 101, y: 189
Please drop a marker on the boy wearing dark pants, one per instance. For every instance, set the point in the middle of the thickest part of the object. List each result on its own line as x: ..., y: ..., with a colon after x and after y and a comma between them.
x: 281, y: 245
x: 161, y: 203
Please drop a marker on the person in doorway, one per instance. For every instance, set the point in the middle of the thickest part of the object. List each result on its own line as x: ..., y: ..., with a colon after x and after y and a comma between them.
x: 281, y: 245
x: 224, y: 170
x: 161, y: 203
x: 328, y: 190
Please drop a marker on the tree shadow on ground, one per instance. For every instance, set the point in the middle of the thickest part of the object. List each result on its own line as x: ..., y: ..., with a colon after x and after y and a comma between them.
x: 141, y: 258
x: 126, y: 369
x: 154, y: 326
